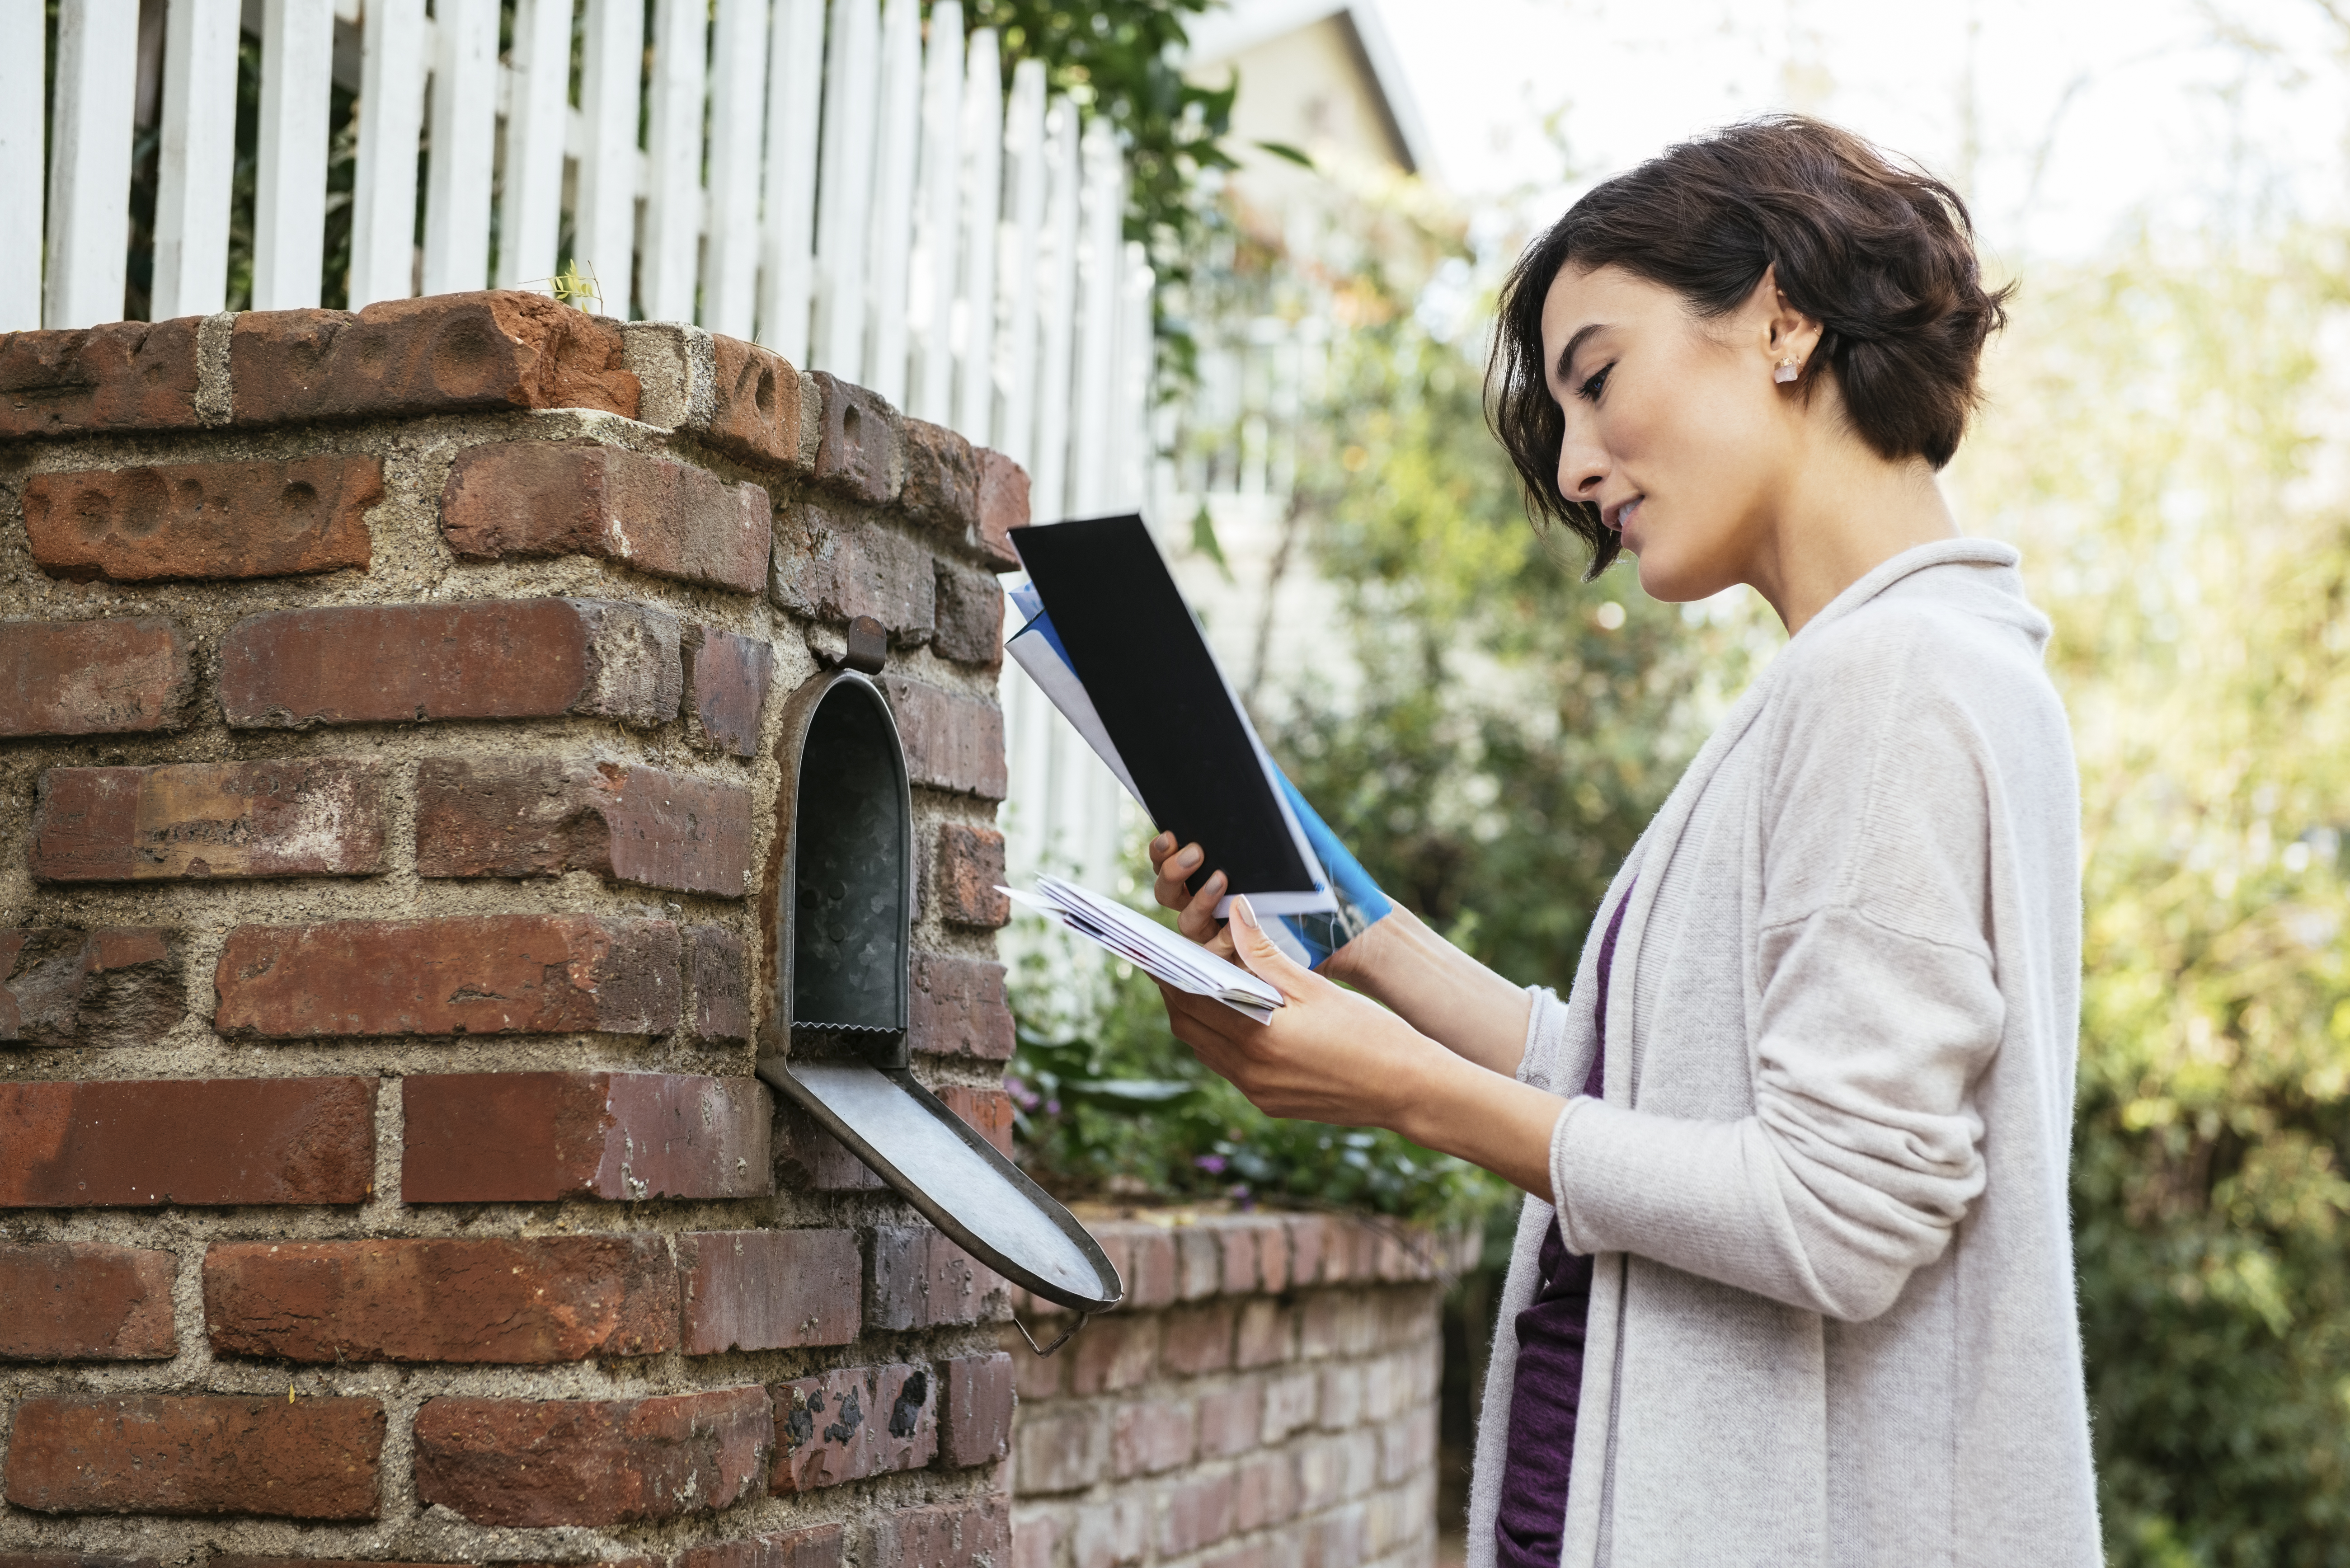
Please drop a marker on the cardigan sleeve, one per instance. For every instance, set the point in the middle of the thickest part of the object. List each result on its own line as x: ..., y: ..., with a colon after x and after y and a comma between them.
x: 1877, y: 1012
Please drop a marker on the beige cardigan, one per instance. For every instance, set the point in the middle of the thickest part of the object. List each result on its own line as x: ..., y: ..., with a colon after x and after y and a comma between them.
x: 1834, y: 1320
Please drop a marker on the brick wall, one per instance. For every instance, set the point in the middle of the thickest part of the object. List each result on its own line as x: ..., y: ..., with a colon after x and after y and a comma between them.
x: 1265, y: 1398
x: 387, y: 713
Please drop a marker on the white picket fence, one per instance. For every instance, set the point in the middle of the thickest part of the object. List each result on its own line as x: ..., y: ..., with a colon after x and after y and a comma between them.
x: 827, y: 180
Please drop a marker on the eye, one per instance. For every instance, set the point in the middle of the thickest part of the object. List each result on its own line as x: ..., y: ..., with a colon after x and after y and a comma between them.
x: 1591, y: 389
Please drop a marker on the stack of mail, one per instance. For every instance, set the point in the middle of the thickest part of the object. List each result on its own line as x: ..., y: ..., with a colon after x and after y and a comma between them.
x: 1153, y: 948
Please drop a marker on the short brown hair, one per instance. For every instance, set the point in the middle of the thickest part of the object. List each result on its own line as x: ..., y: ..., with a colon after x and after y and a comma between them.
x: 1878, y: 252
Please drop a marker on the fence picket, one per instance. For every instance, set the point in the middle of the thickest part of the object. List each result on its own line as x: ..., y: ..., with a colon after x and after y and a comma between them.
x: 1057, y: 307
x: 464, y: 116
x: 24, y: 137
x: 673, y: 233
x: 738, y: 60
x: 1101, y: 269
x: 1023, y: 147
x: 604, y: 225
x: 938, y: 233
x: 391, y: 112
x: 89, y: 168
x: 973, y: 319
x: 289, y: 204
x: 795, y: 94
x: 896, y: 148
x: 843, y: 197
x: 196, y: 157
x: 530, y: 220
x: 1137, y: 363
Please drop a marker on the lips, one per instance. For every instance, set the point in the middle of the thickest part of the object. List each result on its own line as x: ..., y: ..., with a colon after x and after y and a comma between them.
x: 1619, y: 515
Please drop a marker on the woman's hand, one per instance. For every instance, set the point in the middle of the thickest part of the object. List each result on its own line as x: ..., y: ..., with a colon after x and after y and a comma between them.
x: 1195, y: 914
x: 1330, y: 1056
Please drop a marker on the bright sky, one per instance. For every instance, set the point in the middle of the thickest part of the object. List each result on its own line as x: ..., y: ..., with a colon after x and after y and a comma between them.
x: 2080, y: 114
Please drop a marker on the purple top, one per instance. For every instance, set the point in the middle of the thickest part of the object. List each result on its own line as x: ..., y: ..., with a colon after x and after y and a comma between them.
x: 1549, y: 1383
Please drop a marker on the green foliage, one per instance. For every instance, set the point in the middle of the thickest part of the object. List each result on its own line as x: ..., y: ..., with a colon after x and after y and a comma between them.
x: 1108, y: 1104
x: 1119, y: 57
x: 2153, y: 445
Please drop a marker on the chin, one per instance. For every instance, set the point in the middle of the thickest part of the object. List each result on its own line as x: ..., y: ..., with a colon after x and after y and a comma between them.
x: 1672, y: 577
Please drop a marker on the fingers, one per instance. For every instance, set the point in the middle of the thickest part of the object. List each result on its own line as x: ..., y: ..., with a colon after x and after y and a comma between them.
x: 1198, y: 920
x: 1255, y: 952
x: 1174, y: 868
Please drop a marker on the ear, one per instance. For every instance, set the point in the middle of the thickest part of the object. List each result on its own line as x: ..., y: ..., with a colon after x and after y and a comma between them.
x: 1782, y: 331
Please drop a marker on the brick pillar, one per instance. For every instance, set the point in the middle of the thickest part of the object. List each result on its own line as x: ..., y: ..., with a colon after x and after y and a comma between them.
x: 388, y: 711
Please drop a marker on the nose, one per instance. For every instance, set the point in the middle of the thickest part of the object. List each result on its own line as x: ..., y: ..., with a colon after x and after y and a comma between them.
x: 1582, y: 463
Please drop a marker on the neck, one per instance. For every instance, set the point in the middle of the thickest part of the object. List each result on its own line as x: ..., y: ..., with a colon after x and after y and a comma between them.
x: 1849, y: 512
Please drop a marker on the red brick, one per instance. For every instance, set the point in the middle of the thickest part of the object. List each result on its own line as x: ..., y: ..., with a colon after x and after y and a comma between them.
x: 85, y: 1560
x: 86, y: 1300
x: 1335, y: 1539
x: 261, y: 518
x: 921, y: 1280
x: 1264, y: 1491
x: 958, y: 1008
x: 93, y: 677
x: 155, y: 1453
x: 941, y: 478
x: 1199, y: 1511
x: 436, y: 355
x: 1230, y: 1419
x: 856, y: 453
x: 815, y: 1160
x: 1113, y: 1353
x: 502, y: 1300
x: 233, y: 1559
x: 124, y: 376
x: 976, y: 1535
x: 975, y: 1418
x: 487, y: 974
x: 580, y: 497
x: 854, y: 1422
x: 186, y: 1141
x: 1002, y: 506
x: 721, y: 994
x: 1035, y: 1541
x: 1152, y: 1437
x: 969, y: 617
x: 832, y: 567
x: 541, y: 816
x: 491, y: 658
x: 726, y: 681
x: 118, y: 985
x: 525, y: 1137
x: 301, y: 816
x: 1238, y: 1236
x: 1264, y: 1333
x: 989, y: 1112
x: 533, y: 1462
x: 769, y: 1290
x: 1151, y: 1282
x: 1309, y: 1238
x: 816, y: 1546
x: 971, y: 876
x: 952, y: 743
x: 1199, y: 1262
x: 757, y: 416
x: 1272, y: 1253
x: 1062, y: 1450
x: 1199, y: 1339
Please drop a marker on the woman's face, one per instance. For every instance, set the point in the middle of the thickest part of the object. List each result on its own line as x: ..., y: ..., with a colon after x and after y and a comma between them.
x: 1675, y: 428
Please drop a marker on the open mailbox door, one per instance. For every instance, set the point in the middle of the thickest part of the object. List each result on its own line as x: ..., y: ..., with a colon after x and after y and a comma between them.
x: 837, y: 916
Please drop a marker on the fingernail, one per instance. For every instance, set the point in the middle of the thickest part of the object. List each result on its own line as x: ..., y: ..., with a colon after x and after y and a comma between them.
x: 1247, y: 915
x: 1163, y: 843
x: 1215, y: 879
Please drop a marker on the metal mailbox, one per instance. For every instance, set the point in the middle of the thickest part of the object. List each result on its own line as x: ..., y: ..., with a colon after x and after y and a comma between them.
x: 838, y: 915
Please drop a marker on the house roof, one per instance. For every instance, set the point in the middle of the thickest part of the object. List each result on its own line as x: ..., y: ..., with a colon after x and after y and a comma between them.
x: 1240, y: 26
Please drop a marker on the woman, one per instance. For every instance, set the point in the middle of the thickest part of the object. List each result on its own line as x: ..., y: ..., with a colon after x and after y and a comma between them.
x: 1794, y: 1284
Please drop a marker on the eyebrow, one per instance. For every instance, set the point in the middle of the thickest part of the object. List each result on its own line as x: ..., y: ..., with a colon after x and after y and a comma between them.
x: 1566, y: 355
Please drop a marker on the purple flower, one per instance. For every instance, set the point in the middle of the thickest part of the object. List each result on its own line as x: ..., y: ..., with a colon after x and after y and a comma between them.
x: 1022, y: 1095
x: 1052, y: 1107
x: 1214, y: 1164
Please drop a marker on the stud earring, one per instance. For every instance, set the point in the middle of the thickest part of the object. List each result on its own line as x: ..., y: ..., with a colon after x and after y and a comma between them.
x: 1787, y: 371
